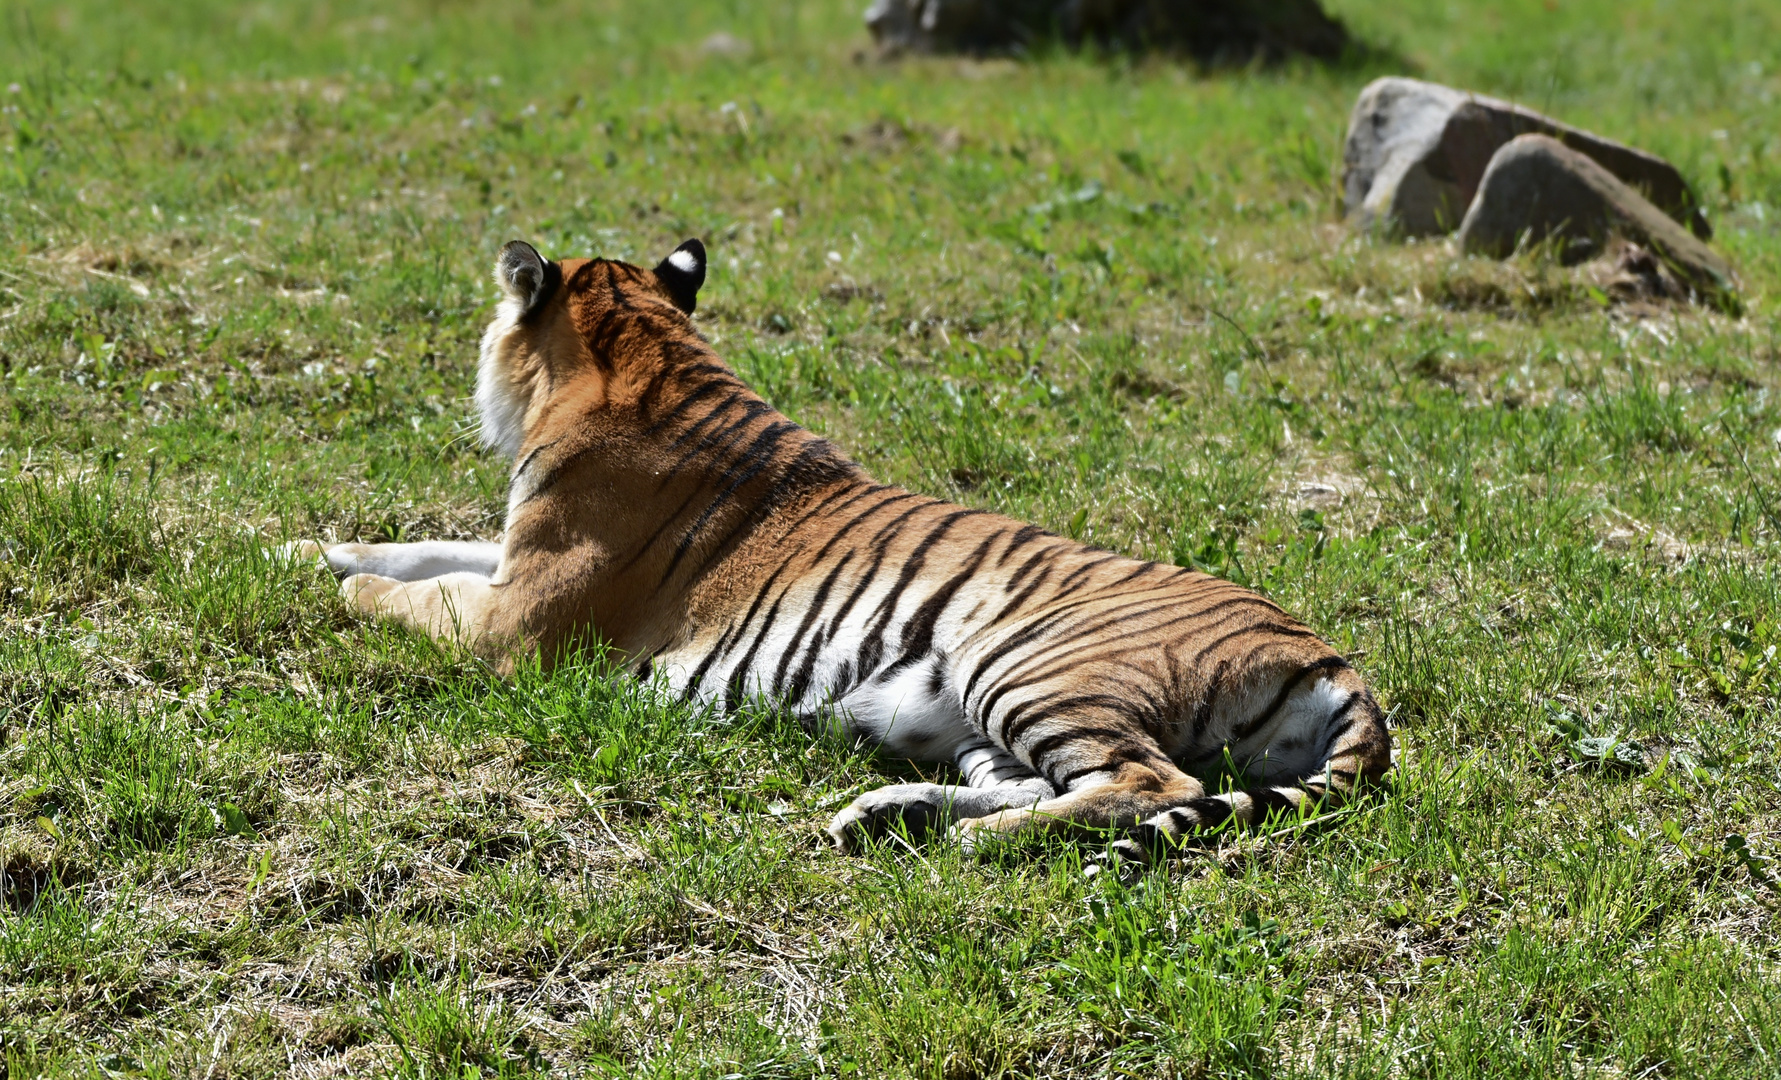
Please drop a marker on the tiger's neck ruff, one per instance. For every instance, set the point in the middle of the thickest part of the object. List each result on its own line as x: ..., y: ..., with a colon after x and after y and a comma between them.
x: 659, y: 504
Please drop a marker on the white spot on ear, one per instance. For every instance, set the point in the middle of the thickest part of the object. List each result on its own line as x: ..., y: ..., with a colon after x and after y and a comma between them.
x: 683, y: 261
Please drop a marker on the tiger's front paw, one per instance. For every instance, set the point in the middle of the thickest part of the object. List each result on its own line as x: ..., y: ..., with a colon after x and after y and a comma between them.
x: 366, y: 592
x: 913, y: 806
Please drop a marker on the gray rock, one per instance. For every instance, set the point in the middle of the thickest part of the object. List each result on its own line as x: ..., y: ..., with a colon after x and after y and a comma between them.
x: 1416, y: 152
x: 1208, y: 30
x: 1538, y: 190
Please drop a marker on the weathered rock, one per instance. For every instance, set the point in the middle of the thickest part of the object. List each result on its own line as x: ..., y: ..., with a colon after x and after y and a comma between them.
x: 1417, y: 150
x: 1538, y: 190
x: 1208, y: 30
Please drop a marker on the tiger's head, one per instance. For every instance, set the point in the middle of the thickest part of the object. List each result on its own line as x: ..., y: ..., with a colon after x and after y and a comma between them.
x: 565, y: 321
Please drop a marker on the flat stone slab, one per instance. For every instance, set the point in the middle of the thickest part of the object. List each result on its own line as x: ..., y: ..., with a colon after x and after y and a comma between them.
x: 1208, y: 30
x: 1416, y: 152
x: 1538, y: 190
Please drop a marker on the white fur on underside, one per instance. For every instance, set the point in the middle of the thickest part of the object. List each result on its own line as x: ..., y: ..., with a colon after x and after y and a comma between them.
x: 905, y: 716
x: 1291, y: 746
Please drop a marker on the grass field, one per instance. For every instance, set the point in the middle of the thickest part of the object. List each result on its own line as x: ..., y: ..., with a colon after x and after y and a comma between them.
x: 244, y: 254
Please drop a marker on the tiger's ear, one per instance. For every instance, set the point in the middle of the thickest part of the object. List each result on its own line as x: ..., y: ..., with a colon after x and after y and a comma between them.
x: 681, y: 274
x: 523, y: 275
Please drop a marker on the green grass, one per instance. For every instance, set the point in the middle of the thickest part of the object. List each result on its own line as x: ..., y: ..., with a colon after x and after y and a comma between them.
x: 244, y: 256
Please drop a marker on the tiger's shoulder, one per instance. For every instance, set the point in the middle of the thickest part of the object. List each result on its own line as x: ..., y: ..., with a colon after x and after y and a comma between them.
x: 641, y: 462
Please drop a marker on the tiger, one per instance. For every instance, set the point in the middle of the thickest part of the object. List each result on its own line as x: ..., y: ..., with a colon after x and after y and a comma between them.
x: 659, y: 506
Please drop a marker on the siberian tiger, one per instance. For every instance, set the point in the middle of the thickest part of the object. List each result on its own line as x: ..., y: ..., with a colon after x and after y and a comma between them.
x: 660, y: 505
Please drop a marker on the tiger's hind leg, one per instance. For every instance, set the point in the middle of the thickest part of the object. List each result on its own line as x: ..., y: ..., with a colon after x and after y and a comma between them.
x: 1331, y: 728
x: 994, y: 781
x: 1123, y: 798
x: 1355, y: 749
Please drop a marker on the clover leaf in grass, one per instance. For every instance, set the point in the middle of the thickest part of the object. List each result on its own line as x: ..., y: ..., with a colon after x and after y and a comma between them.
x: 1610, y: 753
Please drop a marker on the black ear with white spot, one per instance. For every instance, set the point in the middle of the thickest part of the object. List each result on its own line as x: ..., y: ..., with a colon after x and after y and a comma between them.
x: 681, y: 274
x: 523, y: 275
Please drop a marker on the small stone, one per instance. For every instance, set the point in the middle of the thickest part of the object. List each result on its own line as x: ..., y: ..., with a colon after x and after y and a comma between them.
x: 724, y: 43
x: 1537, y: 190
x: 1319, y: 496
x: 1416, y: 152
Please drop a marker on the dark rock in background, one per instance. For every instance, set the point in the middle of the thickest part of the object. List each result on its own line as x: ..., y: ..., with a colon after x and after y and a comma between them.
x: 1538, y: 190
x: 1416, y: 152
x: 1211, y: 31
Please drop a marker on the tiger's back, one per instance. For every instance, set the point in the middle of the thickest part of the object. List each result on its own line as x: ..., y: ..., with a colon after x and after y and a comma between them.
x: 660, y: 504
